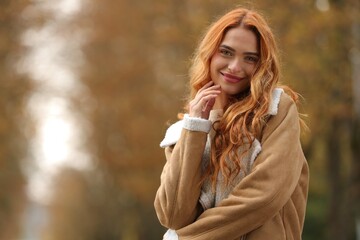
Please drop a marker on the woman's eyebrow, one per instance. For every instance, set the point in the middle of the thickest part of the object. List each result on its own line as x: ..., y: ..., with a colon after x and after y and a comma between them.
x: 227, y: 47
x: 233, y: 50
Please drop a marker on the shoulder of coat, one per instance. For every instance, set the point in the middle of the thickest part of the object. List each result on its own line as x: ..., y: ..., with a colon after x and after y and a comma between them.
x: 285, y: 103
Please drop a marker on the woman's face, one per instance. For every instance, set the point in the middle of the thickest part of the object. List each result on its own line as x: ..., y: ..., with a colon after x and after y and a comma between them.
x: 234, y: 62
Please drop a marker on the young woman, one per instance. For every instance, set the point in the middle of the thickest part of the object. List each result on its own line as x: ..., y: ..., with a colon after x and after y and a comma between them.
x: 235, y: 168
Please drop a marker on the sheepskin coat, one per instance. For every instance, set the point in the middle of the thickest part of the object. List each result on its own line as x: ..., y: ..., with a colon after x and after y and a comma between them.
x: 266, y: 200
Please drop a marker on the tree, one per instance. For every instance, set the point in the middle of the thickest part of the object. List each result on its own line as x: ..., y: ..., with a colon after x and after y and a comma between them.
x: 13, y: 92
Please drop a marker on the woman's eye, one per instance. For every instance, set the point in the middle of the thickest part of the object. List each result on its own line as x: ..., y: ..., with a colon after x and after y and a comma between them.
x: 225, y: 52
x: 251, y: 59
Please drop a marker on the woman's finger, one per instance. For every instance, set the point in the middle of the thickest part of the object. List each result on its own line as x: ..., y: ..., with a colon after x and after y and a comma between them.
x: 208, y: 106
x: 204, y: 100
x: 203, y: 106
x: 205, y: 91
x: 203, y: 94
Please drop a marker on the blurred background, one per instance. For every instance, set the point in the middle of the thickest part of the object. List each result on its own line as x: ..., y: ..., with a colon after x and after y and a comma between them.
x: 88, y: 87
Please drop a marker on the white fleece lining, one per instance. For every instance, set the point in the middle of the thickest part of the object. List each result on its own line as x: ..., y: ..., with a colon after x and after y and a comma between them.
x: 172, y: 134
x: 170, y: 235
x: 197, y: 124
x: 255, y: 152
x: 274, y: 105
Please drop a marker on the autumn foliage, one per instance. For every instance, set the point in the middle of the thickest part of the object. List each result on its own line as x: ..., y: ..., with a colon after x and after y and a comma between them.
x: 135, y: 76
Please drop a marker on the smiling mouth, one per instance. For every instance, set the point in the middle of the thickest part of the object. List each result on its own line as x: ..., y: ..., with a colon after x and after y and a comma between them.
x: 231, y: 78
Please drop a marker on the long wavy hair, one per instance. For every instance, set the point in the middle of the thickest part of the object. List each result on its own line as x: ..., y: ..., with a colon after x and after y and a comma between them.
x: 246, y: 113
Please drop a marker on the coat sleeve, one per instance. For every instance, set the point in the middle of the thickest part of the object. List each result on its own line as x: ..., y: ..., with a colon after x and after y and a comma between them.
x: 176, y: 202
x: 262, y: 193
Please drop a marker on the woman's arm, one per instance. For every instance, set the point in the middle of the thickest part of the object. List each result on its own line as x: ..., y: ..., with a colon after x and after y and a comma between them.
x: 176, y: 201
x: 261, y: 194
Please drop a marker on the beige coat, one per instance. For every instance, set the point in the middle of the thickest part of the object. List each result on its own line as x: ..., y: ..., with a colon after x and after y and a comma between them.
x: 268, y: 203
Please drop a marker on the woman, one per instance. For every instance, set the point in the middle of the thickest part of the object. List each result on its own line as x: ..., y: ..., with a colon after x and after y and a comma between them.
x: 235, y: 168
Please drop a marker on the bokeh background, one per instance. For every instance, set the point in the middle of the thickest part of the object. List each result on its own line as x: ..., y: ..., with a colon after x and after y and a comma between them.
x: 88, y: 87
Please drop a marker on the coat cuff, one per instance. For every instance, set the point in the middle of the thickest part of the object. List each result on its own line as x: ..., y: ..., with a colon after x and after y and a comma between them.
x: 197, y: 124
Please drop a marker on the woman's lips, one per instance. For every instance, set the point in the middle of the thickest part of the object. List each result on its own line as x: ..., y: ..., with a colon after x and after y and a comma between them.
x: 231, y: 78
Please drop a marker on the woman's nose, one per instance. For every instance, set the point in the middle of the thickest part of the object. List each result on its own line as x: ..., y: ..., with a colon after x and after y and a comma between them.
x: 235, y: 66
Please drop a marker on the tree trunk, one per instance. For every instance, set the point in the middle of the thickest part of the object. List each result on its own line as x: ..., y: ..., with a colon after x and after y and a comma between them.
x: 355, y: 67
x: 335, y: 182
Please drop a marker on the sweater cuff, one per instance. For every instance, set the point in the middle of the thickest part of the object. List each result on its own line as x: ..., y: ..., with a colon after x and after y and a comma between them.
x: 206, y: 200
x: 197, y: 124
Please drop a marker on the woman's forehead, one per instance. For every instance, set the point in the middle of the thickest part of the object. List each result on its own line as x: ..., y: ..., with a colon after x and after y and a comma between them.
x: 241, y: 39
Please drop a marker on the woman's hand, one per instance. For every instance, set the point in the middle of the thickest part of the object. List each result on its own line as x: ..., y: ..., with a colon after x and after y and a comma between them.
x: 204, y: 100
